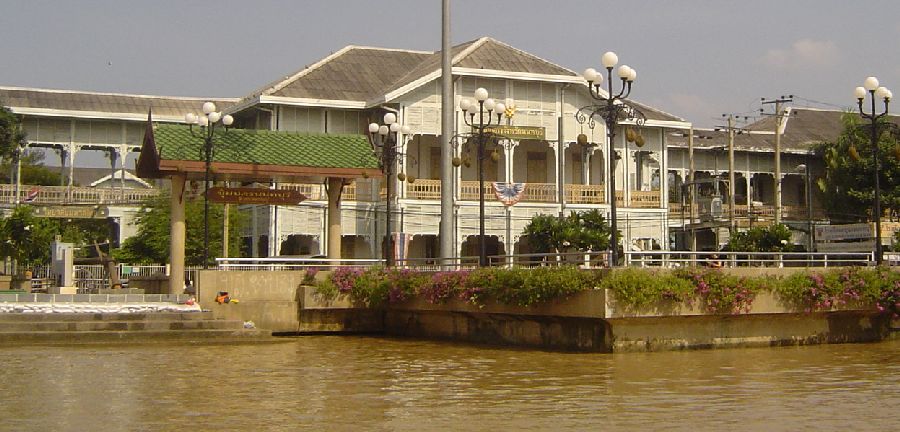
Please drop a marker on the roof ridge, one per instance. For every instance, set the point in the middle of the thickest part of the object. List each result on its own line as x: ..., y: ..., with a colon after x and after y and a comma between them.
x: 86, y: 92
x: 307, y: 70
x: 528, y: 54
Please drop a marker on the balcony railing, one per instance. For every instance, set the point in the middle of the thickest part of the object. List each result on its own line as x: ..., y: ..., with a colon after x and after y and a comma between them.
x: 468, y: 190
x: 645, y: 199
x: 742, y: 211
x: 425, y: 189
x: 585, y: 194
x: 74, y: 195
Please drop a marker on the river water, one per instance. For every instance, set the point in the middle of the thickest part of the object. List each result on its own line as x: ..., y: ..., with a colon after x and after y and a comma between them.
x: 372, y: 383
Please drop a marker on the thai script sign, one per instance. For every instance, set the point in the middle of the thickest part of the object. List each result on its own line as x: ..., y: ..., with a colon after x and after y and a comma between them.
x: 250, y: 195
x: 71, y: 212
x: 518, y: 132
x: 855, y: 231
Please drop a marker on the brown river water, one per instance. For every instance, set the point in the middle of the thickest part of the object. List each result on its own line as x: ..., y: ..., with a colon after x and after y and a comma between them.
x: 383, y: 384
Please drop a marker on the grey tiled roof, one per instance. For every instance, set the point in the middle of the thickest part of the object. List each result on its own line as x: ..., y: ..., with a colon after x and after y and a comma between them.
x: 804, y: 128
x: 357, y: 74
x: 30, y: 98
x: 654, y: 113
x: 486, y: 53
x: 495, y: 55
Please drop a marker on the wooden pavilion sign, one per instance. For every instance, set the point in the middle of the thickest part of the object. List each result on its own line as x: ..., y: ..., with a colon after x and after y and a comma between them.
x: 519, y: 132
x: 71, y: 212
x: 249, y: 195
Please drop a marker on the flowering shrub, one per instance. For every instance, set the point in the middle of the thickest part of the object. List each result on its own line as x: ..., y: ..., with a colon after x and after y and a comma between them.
x: 719, y: 292
x: 826, y: 290
x: 344, y: 278
x: 309, y: 277
x: 714, y: 290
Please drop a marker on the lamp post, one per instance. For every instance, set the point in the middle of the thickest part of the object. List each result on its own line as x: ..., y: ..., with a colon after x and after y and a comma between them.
x: 385, y: 142
x: 612, y: 110
x: 870, y: 86
x: 481, y: 105
x: 208, y: 121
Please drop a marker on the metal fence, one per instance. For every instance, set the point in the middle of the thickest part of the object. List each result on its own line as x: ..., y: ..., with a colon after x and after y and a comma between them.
x: 90, y: 278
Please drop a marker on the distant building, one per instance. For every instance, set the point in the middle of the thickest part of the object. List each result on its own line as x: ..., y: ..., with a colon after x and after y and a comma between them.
x: 344, y: 92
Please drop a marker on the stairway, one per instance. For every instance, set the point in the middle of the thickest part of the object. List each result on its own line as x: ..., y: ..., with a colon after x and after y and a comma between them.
x: 78, y: 328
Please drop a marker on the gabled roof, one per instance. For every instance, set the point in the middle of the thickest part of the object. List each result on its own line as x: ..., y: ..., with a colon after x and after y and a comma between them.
x: 248, y: 154
x: 113, y: 106
x: 802, y: 128
x: 354, y: 73
x: 117, y: 177
x: 481, y: 57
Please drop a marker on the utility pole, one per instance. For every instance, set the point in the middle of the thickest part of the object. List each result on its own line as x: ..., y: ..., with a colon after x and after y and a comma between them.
x: 779, y: 116
x: 447, y: 227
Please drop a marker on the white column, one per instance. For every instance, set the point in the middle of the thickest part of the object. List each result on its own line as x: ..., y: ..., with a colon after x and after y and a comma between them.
x: 178, y: 235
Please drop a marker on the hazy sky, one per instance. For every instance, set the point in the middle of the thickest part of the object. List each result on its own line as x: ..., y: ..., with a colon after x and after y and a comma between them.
x: 696, y: 59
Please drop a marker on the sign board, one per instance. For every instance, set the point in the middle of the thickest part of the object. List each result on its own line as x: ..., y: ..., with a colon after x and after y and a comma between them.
x: 855, y: 231
x: 519, y: 132
x: 863, y: 246
x: 249, y: 195
x: 71, y: 212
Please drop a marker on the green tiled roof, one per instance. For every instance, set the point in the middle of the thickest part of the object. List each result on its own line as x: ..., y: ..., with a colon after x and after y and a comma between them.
x: 263, y: 147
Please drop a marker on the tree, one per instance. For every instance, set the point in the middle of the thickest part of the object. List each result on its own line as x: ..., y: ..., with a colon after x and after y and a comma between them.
x: 27, y: 237
x: 11, y: 134
x: 849, y: 183
x: 151, y: 244
x: 586, y: 231
x: 774, y: 238
x: 33, y: 170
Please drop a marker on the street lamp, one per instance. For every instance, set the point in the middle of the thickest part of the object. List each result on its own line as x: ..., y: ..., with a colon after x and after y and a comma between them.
x: 207, y: 122
x: 612, y: 110
x: 387, y: 146
x: 871, y: 87
x: 481, y: 105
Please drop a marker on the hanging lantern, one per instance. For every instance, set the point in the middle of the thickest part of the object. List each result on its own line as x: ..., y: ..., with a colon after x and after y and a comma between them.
x: 495, y: 156
x: 854, y: 154
x: 457, y: 161
x: 401, y: 176
x: 467, y: 162
x: 629, y: 135
x: 582, y: 139
x: 365, y: 174
x: 411, y: 178
x: 639, y: 140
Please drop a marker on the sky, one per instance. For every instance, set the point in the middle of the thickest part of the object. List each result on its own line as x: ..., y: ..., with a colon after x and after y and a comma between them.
x: 695, y: 59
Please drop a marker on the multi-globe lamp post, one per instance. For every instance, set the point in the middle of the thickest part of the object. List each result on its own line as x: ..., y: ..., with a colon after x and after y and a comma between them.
x: 386, y: 143
x: 612, y: 110
x: 875, y: 91
x: 208, y: 122
x: 482, y: 106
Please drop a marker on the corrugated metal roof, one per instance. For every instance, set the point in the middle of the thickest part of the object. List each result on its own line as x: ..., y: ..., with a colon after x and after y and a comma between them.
x: 65, y: 100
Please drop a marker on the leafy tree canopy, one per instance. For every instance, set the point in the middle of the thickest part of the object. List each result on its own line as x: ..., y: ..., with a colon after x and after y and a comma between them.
x: 849, y: 183
x: 151, y: 244
x: 587, y: 231
x: 774, y: 238
x: 11, y: 134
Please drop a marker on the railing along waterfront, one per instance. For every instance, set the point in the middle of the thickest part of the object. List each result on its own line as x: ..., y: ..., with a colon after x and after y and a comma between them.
x: 664, y: 259
x: 73, y: 195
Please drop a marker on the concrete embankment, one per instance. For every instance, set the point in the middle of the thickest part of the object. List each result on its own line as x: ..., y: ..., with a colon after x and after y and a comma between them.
x: 98, y: 318
x: 588, y: 321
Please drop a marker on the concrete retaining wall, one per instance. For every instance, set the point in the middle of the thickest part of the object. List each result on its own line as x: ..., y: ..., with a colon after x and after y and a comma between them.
x: 587, y: 321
